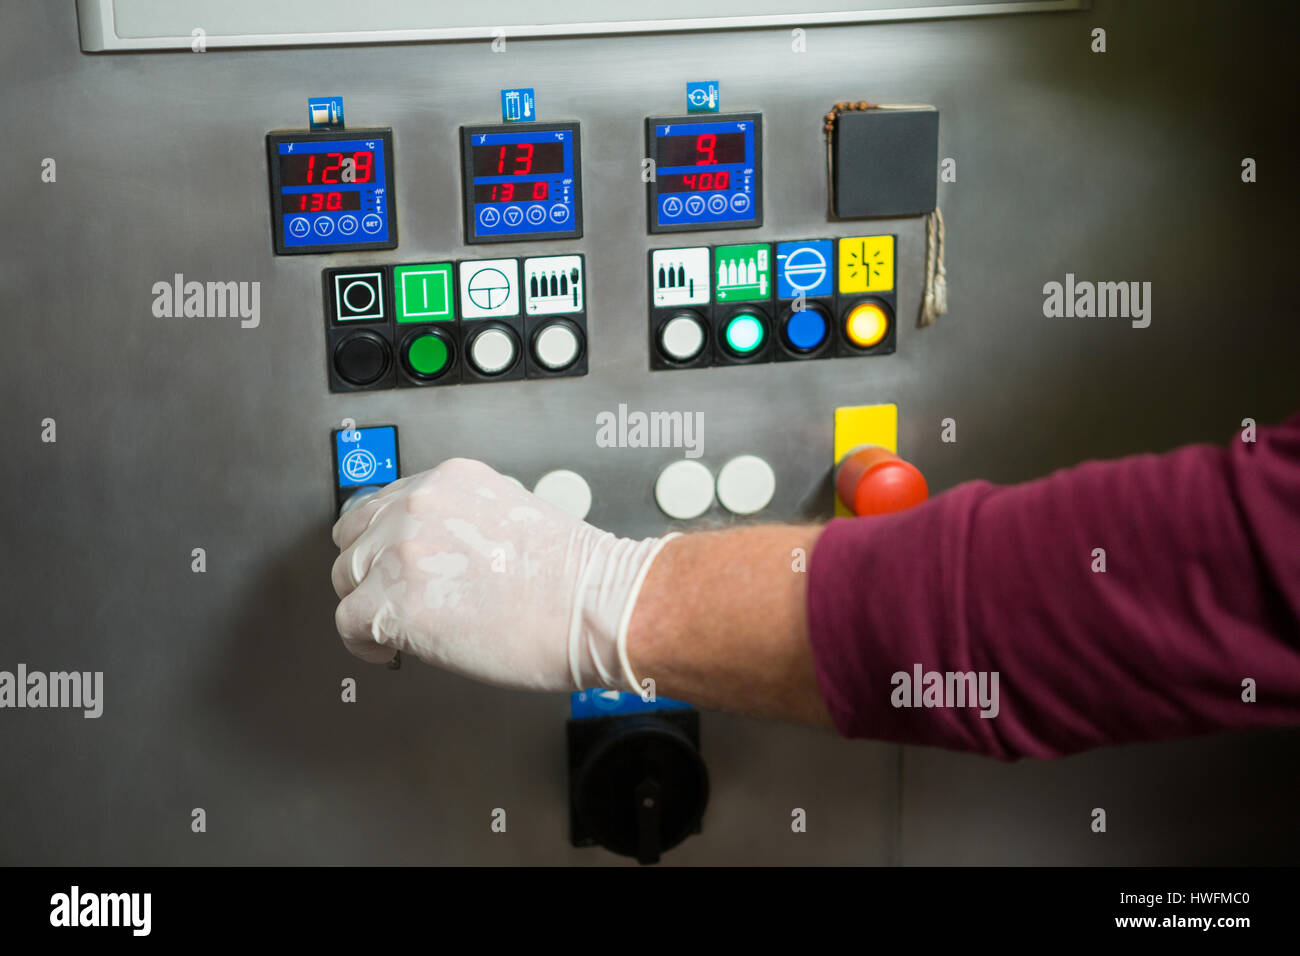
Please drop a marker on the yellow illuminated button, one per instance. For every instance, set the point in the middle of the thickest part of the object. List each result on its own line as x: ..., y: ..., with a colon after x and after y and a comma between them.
x: 866, y: 264
x: 866, y: 325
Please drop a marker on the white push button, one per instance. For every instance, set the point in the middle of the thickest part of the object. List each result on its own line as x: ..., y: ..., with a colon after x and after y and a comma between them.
x: 682, y: 338
x: 492, y: 351
x: 684, y: 490
x: 556, y: 347
x: 746, y: 485
x: 565, y: 489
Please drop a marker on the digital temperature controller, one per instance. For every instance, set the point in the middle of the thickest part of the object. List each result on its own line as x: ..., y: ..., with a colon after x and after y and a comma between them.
x: 708, y: 172
x: 332, y: 191
x: 521, y: 183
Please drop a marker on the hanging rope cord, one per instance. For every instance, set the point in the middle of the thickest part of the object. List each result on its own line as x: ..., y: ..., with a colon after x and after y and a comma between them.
x: 934, y: 297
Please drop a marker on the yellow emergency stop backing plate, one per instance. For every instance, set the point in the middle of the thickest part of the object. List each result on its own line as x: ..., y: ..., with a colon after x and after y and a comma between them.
x: 863, y: 425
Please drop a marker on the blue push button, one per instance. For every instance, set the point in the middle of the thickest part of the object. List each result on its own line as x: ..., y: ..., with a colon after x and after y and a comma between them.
x: 806, y: 330
x: 804, y: 268
x: 366, y: 456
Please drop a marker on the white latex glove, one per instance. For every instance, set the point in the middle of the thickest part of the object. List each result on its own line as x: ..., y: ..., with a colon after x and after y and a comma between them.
x: 463, y: 568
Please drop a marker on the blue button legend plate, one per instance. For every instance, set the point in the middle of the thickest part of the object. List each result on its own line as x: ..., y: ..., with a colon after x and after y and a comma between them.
x: 366, y: 456
x: 804, y: 268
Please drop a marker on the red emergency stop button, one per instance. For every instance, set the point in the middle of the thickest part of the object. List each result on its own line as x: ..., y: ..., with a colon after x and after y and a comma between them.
x: 871, y: 480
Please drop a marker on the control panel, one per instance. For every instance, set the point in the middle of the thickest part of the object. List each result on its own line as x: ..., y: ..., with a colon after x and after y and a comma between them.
x: 521, y: 183
x: 708, y: 172
x: 638, y: 784
x: 332, y: 191
x: 761, y: 302
x: 443, y: 323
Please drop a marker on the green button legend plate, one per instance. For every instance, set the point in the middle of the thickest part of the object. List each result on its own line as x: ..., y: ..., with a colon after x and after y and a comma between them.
x: 424, y: 293
x: 743, y: 273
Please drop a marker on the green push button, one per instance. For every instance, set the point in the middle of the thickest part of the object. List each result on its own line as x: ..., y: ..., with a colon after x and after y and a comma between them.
x: 424, y: 293
x: 428, y: 355
x: 745, y: 333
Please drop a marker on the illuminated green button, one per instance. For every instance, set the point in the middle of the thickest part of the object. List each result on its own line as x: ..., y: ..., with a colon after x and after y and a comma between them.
x: 744, y: 333
x: 428, y: 355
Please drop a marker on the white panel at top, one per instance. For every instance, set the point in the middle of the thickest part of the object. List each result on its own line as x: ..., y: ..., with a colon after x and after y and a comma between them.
x: 109, y: 25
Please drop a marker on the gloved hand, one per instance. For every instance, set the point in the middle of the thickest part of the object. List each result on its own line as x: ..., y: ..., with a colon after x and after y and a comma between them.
x: 463, y: 568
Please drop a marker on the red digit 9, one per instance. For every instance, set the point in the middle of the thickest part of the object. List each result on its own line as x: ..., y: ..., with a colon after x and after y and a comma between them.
x: 705, y: 144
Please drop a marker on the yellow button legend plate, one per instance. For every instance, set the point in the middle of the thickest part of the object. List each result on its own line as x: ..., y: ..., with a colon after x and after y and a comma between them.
x: 866, y: 264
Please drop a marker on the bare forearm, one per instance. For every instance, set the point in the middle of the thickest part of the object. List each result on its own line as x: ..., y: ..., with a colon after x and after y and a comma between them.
x: 721, y: 622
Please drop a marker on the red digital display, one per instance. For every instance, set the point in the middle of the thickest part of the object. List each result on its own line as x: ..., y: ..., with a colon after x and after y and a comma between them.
x: 701, y: 149
x: 325, y: 169
x: 519, y: 159
x: 511, y: 192
x: 321, y: 202
x: 695, y: 182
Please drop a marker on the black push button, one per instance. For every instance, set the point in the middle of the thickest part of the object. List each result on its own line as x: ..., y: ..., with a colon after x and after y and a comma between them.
x: 361, y: 359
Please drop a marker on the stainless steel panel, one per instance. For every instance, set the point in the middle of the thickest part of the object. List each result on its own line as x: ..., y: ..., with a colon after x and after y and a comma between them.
x: 222, y: 689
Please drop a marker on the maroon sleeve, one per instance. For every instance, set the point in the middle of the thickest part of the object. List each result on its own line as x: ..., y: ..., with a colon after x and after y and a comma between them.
x: 1201, y: 591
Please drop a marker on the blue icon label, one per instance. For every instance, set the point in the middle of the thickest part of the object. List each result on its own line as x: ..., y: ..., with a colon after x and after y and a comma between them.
x: 325, y: 112
x: 366, y: 456
x: 702, y: 97
x: 804, y: 268
x: 517, y: 106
